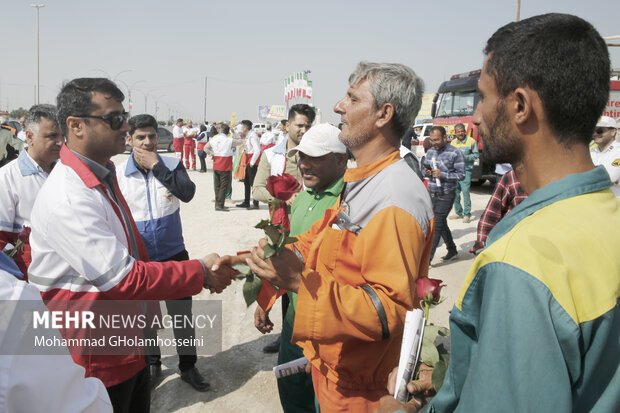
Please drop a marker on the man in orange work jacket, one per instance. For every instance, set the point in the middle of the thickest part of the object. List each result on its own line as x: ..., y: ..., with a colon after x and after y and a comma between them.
x: 355, y: 270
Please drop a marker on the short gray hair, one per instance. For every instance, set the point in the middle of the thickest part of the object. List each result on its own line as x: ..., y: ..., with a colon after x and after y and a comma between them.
x: 396, y: 84
x: 36, y: 113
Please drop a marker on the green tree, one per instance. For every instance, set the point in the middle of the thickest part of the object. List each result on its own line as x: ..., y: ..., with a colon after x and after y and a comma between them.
x: 18, y: 113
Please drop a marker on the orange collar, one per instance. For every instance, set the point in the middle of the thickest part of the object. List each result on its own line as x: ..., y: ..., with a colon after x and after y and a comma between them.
x: 363, y: 172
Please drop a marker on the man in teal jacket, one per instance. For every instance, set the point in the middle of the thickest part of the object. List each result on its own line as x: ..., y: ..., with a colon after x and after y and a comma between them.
x: 536, y: 325
x: 469, y: 148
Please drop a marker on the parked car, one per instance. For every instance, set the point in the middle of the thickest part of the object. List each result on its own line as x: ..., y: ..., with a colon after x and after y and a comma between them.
x: 259, y: 128
x: 423, y: 131
x: 165, y: 140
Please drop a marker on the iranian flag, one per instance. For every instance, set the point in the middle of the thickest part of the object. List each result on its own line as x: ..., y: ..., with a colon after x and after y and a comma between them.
x: 309, y: 90
x: 305, y: 86
x: 297, y: 84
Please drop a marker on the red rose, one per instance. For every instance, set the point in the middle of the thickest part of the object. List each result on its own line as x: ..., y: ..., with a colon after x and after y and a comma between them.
x: 425, y: 286
x: 24, y: 236
x: 282, y: 186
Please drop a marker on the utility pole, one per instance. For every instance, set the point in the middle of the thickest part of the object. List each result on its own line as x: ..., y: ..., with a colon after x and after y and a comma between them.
x: 38, y: 7
x: 205, y: 114
x: 518, y: 9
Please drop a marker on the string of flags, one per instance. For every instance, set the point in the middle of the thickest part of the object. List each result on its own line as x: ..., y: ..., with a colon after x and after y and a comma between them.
x: 297, y: 86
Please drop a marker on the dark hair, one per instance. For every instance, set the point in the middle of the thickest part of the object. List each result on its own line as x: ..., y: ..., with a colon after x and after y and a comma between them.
x: 75, y: 97
x: 284, y: 121
x: 179, y: 120
x: 460, y: 125
x: 247, y: 123
x: 224, y: 128
x: 37, y: 112
x: 565, y: 60
x: 302, y: 109
x: 441, y: 129
x: 142, y: 121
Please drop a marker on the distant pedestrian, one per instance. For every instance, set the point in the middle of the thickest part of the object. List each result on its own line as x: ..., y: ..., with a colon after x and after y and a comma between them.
x: 201, y: 141
x: 220, y: 147
x: 606, y: 150
x: 253, y: 152
x: 469, y: 147
x: 177, y: 138
x: 444, y: 166
x: 189, y: 145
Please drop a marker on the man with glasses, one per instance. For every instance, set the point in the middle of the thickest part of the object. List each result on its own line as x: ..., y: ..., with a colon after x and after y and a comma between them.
x: 606, y: 150
x: 86, y: 246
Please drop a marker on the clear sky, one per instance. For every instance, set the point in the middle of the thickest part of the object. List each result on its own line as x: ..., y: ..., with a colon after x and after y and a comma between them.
x: 247, y: 48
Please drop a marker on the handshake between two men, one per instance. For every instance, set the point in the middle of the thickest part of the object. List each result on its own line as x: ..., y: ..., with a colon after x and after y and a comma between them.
x: 283, y: 269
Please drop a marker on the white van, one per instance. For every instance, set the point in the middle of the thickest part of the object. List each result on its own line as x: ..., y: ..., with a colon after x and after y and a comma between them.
x: 423, y: 131
x: 259, y: 128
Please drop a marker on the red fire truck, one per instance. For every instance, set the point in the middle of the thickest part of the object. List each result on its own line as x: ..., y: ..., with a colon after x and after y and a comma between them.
x: 454, y: 103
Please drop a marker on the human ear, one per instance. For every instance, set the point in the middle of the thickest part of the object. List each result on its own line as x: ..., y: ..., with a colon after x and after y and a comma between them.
x: 385, y: 115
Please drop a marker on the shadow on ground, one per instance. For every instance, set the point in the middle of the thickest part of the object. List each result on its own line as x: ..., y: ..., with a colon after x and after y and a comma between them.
x: 226, y: 371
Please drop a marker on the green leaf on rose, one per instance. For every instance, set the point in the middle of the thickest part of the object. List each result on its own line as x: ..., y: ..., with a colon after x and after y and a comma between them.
x: 439, y: 374
x: 290, y: 240
x: 429, y: 354
x: 273, y: 234
x: 244, y: 270
x: 262, y: 224
x: 251, y: 288
x: 269, y: 251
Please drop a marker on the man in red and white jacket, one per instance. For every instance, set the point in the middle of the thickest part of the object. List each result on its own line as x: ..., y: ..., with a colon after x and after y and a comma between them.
x: 253, y: 152
x: 21, y: 179
x: 189, y: 144
x: 177, y: 138
x: 220, y: 148
x: 86, y: 246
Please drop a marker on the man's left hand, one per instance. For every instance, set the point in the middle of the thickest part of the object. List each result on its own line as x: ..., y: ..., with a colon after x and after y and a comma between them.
x: 283, y: 270
x: 145, y: 159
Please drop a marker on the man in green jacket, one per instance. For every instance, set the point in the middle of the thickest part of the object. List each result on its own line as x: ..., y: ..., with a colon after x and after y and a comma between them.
x: 322, y: 161
x: 469, y: 148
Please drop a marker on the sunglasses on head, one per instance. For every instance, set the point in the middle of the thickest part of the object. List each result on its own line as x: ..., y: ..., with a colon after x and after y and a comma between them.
x: 114, y: 120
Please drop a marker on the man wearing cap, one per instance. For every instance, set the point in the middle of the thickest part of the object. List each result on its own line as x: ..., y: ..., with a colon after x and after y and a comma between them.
x: 322, y: 161
x: 9, y: 144
x: 606, y: 151
x: 276, y: 161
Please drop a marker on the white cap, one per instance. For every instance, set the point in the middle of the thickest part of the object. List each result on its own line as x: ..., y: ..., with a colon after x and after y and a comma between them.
x: 607, y: 122
x: 320, y: 140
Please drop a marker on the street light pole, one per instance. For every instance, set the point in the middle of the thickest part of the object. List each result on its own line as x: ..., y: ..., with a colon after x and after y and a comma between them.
x: 205, y: 114
x: 38, y: 6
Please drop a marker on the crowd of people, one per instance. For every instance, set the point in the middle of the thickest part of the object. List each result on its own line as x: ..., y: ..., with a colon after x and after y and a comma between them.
x: 535, y: 326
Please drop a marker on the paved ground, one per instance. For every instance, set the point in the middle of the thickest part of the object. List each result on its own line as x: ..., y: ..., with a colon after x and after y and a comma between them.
x: 241, y: 377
